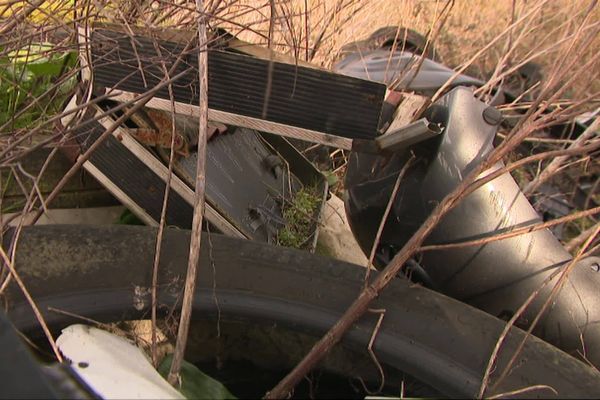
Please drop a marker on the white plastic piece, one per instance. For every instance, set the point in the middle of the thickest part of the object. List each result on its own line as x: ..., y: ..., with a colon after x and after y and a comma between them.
x: 112, y: 366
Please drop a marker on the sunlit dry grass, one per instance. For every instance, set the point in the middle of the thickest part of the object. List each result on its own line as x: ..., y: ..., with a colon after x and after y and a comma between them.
x: 472, y: 24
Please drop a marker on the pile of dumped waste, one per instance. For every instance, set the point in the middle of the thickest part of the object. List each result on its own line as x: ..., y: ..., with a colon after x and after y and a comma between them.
x: 263, y: 296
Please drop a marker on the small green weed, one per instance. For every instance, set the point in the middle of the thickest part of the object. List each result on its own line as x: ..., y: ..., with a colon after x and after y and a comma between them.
x: 299, y: 216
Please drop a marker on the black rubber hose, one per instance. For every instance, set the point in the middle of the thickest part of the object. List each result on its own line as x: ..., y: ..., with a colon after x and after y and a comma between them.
x: 104, y: 273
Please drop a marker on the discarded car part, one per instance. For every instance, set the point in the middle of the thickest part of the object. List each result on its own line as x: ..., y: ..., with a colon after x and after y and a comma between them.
x: 401, y: 67
x: 289, y: 102
x: 22, y: 376
x: 498, y: 276
x: 394, y: 140
x: 114, y: 367
x: 239, y: 179
x: 136, y: 177
x: 435, y: 339
x: 392, y: 37
x: 397, y: 139
x: 247, y: 91
x: 492, y: 116
x: 250, y: 178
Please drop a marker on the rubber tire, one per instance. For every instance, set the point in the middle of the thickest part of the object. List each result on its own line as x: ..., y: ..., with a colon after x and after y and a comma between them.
x: 408, y: 39
x: 383, y: 38
x: 96, y: 271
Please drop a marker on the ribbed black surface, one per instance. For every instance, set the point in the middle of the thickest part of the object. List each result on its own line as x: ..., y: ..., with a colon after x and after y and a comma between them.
x: 133, y: 177
x: 300, y: 96
x: 237, y: 181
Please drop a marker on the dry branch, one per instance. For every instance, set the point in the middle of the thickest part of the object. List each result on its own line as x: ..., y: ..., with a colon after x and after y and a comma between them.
x: 554, y: 165
x: 163, y: 218
x: 579, y: 239
x: 517, y: 232
x: 14, y: 21
x: 384, y: 217
x: 190, y: 279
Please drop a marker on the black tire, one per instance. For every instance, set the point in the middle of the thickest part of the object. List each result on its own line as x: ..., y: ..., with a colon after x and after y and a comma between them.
x: 94, y: 271
x: 390, y: 37
x: 404, y: 38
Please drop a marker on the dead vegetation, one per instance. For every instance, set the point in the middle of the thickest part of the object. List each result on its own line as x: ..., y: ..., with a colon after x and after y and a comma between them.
x: 490, y: 40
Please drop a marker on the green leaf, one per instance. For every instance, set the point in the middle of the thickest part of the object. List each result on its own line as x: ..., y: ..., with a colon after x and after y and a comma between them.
x: 195, y: 384
x: 28, y: 73
x: 41, y: 60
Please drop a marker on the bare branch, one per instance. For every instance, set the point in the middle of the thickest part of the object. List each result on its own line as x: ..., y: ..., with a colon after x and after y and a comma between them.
x: 556, y: 163
x: 194, y: 257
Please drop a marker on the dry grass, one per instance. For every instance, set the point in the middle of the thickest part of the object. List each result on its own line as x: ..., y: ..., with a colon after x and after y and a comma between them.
x: 472, y: 24
x: 560, y: 35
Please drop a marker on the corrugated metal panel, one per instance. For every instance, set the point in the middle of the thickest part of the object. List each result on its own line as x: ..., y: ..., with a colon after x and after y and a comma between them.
x: 133, y: 177
x: 241, y: 184
x: 300, y: 96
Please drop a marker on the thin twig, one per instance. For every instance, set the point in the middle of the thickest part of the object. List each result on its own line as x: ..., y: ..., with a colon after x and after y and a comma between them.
x: 381, y: 313
x: 12, y: 22
x: 385, y: 216
x: 163, y: 215
x: 523, y: 390
x: 517, y: 232
x: 509, y: 325
x: 449, y: 82
x: 540, y: 140
x: 271, y: 67
x: 579, y: 239
x: 557, y: 162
